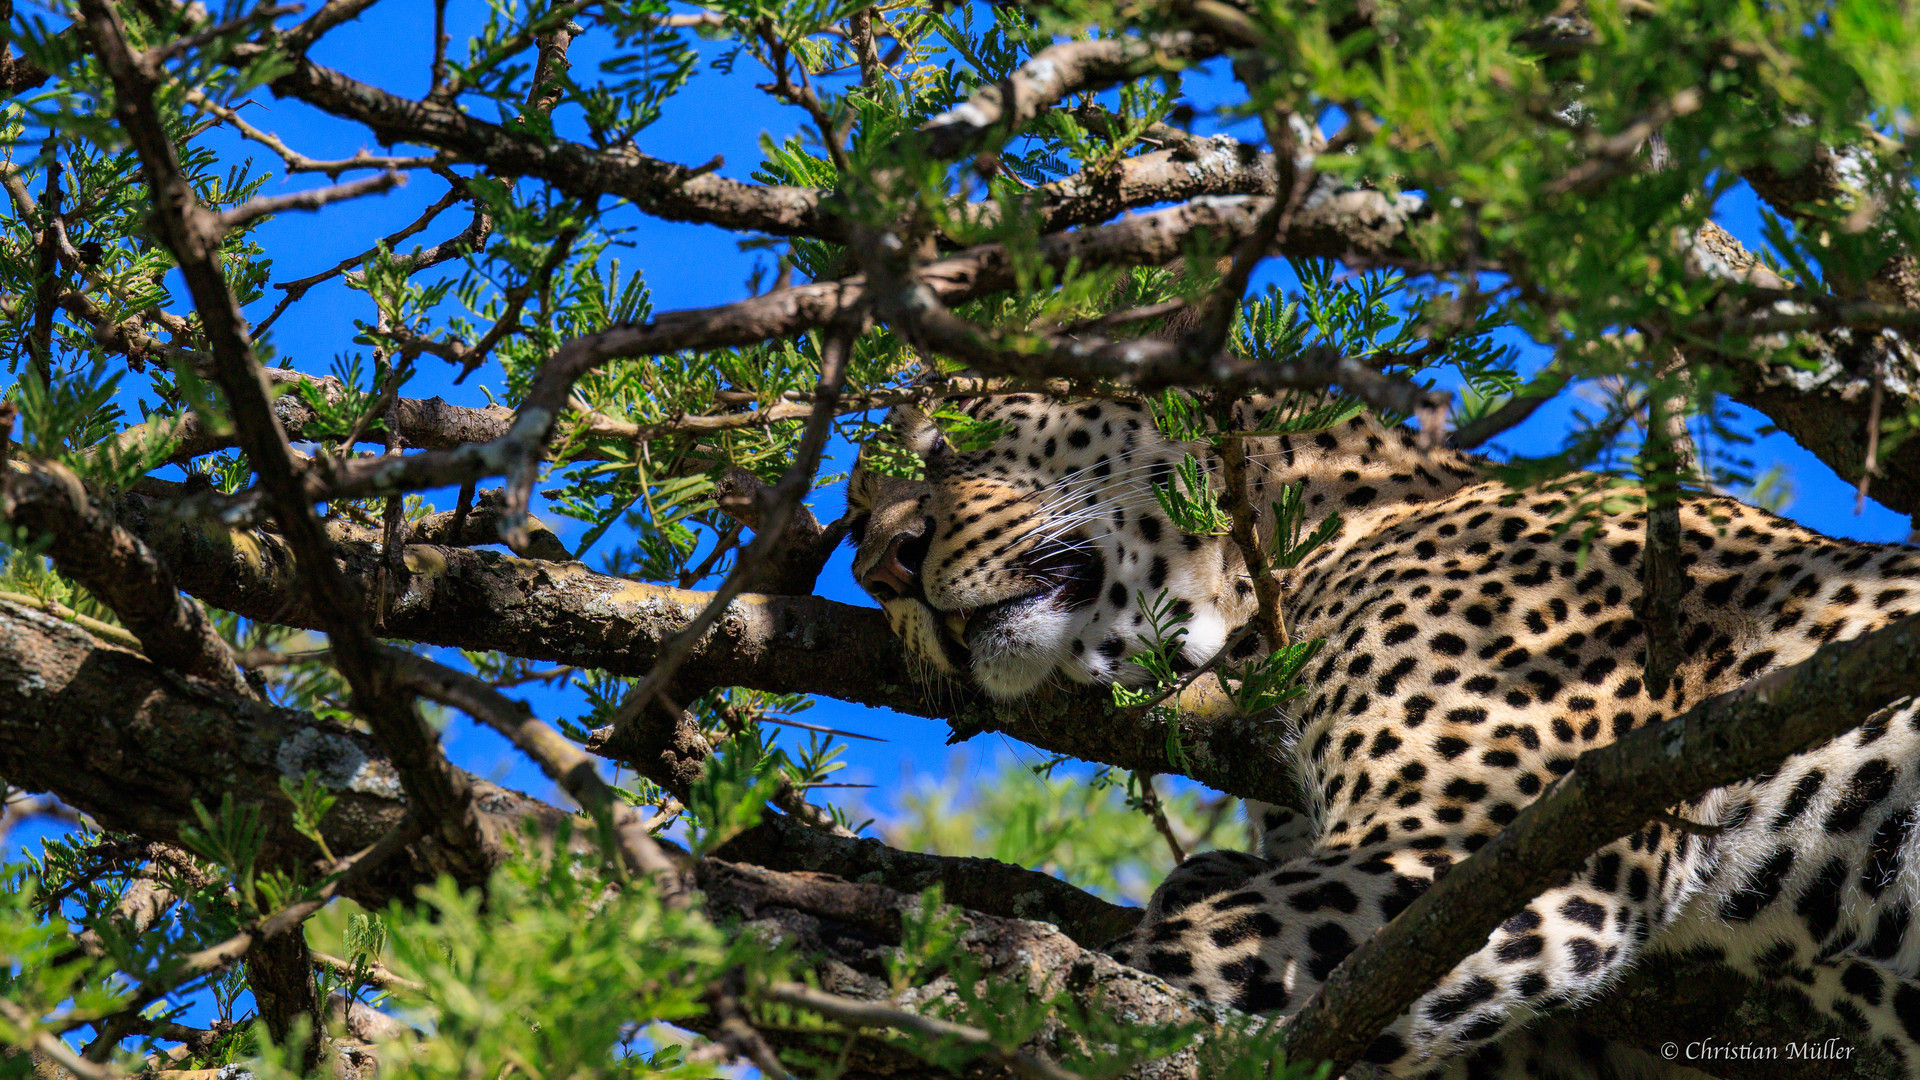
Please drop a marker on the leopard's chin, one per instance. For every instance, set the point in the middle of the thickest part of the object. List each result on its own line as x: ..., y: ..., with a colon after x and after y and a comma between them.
x: 1017, y: 644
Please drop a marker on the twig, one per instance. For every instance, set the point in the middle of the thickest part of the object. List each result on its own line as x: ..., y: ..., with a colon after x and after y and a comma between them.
x: 47, y: 288
x: 331, y: 14
x: 1143, y: 313
x: 1515, y: 410
x: 371, y: 970
x: 1216, y: 317
x: 1693, y: 828
x: 181, y: 46
x: 786, y: 495
x: 722, y: 544
x: 1609, y: 156
x: 295, y: 161
x: 437, y: 68
x: 1150, y: 799
x: 255, y: 209
x: 192, y: 1039
x: 265, y: 658
x: 1193, y: 676
x: 1872, y: 463
x: 1238, y: 496
x: 736, y: 1031
x: 116, y: 635
x: 1665, y: 455
x: 344, y: 874
x: 871, y: 1014
x: 804, y: 726
x: 1151, y: 238
x: 560, y: 759
x: 46, y: 1042
x: 456, y: 191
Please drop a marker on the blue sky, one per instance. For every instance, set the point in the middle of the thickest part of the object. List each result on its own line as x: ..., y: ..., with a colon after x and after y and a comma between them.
x: 692, y: 266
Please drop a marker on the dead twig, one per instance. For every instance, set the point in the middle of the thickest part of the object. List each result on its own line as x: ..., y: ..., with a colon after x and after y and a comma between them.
x: 255, y: 209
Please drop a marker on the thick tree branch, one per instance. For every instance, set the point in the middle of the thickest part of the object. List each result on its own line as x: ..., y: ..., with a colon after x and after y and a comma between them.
x: 564, y: 612
x: 1679, y: 1000
x: 482, y: 524
x: 17, y: 73
x: 1346, y: 224
x: 661, y: 188
x: 856, y: 925
x: 984, y: 885
x: 1611, y: 791
x: 134, y: 746
x: 49, y: 502
x: 1220, y: 165
x: 1824, y: 185
x: 1361, y: 225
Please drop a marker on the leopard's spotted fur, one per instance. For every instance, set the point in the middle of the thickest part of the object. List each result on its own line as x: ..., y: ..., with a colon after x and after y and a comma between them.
x: 1473, y: 651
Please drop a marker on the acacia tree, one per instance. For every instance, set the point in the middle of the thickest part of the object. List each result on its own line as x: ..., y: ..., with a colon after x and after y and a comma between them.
x: 981, y: 199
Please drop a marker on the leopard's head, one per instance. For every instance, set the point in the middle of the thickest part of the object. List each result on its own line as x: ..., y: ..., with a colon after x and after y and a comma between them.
x: 1034, y: 555
x: 1040, y: 548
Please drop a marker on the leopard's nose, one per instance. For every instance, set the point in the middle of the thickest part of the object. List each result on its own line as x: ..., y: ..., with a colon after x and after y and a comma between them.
x: 889, y: 578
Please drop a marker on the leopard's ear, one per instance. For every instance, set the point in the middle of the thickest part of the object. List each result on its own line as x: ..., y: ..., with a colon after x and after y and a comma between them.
x: 915, y: 429
x: 863, y: 483
x: 919, y: 434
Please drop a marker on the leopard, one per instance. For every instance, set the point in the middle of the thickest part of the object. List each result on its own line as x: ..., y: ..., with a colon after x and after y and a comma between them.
x: 1478, y: 637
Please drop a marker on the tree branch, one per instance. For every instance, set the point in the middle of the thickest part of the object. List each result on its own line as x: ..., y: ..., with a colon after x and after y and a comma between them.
x: 775, y: 514
x: 1824, y: 406
x: 855, y: 923
x: 661, y: 188
x: 568, y: 614
x: 563, y: 762
x: 873, y: 1014
x: 1053, y: 74
x: 191, y: 232
x: 120, y: 739
x: 255, y: 209
x: 49, y: 502
x: 984, y: 885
